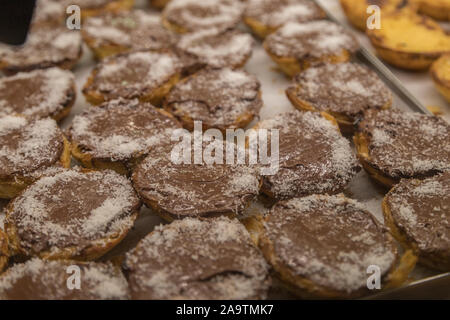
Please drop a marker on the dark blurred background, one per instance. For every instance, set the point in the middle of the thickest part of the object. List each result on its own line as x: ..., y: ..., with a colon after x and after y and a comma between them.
x: 15, y: 18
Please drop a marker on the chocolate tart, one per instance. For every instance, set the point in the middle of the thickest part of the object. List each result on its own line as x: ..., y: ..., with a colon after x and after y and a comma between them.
x: 175, y: 188
x: 39, y: 279
x: 30, y: 149
x: 43, y: 93
x: 145, y: 75
x: 313, y: 156
x: 91, y: 8
x: 323, y: 246
x: 118, y: 134
x: 267, y: 16
x: 183, y: 16
x: 344, y: 90
x: 393, y: 145
x: 45, y: 47
x: 159, y: 4
x: 418, y: 214
x: 4, y: 252
x: 219, y: 98
x: 71, y: 215
x: 298, y: 46
x: 111, y: 34
x: 206, y: 259
x: 231, y: 48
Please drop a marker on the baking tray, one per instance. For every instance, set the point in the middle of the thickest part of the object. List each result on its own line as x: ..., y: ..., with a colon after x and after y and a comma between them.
x: 424, y: 283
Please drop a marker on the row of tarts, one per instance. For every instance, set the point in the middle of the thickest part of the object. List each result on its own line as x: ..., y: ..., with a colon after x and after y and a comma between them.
x: 318, y: 242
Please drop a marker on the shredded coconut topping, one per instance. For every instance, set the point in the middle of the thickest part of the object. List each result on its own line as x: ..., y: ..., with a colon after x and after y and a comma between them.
x: 275, y: 13
x: 44, y: 47
x: 421, y: 209
x: 407, y: 144
x: 43, y: 92
x: 218, y: 98
x: 330, y: 240
x: 195, y: 15
x: 346, y: 88
x: 28, y: 145
x: 131, y: 75
x: 218, y: 262
x: 72, y: 209
x: 196, y: 189
x: 48, y: 11
x: 313, y: 39
x: 121, y: 129
x: 135, y: 29
x: 313, y: 156
x: 218, y: 49
x: 46, y: 279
